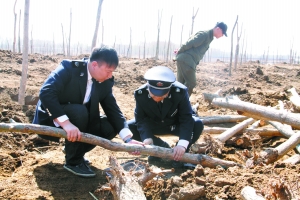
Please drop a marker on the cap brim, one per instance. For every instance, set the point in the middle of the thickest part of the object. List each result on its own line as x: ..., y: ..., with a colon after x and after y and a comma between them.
x: 158, y: 92
x: 225, y: 34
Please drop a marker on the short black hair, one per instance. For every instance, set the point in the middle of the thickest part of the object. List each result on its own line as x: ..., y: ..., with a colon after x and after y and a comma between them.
x: 105, y: 54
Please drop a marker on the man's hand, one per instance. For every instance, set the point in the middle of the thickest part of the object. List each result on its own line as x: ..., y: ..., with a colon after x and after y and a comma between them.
x: 136, y: 152
x: 178, y: 152
x: 148, y: 141
x: 73, y: 133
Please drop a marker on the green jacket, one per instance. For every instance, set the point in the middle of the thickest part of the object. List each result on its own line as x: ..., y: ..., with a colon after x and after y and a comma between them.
x: 194, y: 49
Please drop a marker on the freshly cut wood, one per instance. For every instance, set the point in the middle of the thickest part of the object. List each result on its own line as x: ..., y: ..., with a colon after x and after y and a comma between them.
x: 259, y: 112
x: 295, y: 159
x: 271, y: 155
x: 295, y: 98
x: 232, y: 131
x: 249, y: 193
x: 223, y: 119
x: 123, y: 186
x: 259, y: 131
x: 204, y: 160
x: 285, y: 130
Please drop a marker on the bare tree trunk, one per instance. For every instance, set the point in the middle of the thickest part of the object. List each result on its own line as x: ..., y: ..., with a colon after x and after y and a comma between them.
x: 19, y: 40
x: 181, y: 36
x: 69, y: 44
x: 144, y: 46
x: 53, y: 44
x: 168, y: 47
x: 31, y: 42
x: 129, y: 47
x: 23, y: 81
x: 97, y: 24
x: 115, y: 42
x: 63, y: 36
x: 237, y: 45
x: 267, y: 56
x: 15, y: 24
x: 231, y: 51
x: 193, y: 19
x: 241, y: 56
x: 158, y: 32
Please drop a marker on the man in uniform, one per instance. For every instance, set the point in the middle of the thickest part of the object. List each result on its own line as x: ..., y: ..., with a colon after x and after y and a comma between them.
x: 70, y: 99
x: 190, y: 54
x: 163, y: 108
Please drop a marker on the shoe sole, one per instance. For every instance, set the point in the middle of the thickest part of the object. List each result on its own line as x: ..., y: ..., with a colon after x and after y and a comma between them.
x: 82, y: 175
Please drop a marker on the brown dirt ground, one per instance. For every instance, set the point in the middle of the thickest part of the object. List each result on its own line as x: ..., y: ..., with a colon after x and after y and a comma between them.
x: 31, y: 169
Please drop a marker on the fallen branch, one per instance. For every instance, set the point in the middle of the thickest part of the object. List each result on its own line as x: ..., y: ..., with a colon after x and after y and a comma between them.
x: 222, y: 119
x: 204, y: 160
x: 259, y: 112
x: 295, y: 98
x: 271, y: 155
x: 295, y: 159
x: 258, y: 131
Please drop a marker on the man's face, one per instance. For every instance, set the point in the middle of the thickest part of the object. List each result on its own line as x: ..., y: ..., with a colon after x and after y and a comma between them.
x: 101, y: 71
x: 218, y: 33
x: 157, y: 98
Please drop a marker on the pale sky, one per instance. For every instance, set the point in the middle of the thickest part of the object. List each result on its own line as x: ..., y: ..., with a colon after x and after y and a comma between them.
x: 266, y: 24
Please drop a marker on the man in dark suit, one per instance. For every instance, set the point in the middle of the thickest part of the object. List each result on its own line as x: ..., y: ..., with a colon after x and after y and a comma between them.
x: 70, y: 99
x: 162, y: 108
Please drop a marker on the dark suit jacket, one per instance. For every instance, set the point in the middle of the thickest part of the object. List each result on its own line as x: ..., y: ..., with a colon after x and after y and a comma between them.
x: 67, y: 85
x: 176, y: 110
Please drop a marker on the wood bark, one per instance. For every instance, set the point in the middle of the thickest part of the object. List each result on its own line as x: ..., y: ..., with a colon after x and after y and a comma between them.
x: 295, y: 159
x: 232, y: 131
x: 295, y: 98
x: 158, y: 33
x: 249, y: 193
x: 231, y: 51
x: 259, y: 112
x: 264, y: 132
x: 23, y: 81
x: 69, y: 40
x: 168, y: 47
x: 63, y: 37
x: 193, y: 19
x: 19, y: 34
x: 124, y: 186
x: 15, y: 24
x: 97, y: 24
x: 204, y: 160
x: 271, y: 155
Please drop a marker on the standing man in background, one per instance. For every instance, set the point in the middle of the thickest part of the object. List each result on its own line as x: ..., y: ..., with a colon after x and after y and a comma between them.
x: 190, y: 54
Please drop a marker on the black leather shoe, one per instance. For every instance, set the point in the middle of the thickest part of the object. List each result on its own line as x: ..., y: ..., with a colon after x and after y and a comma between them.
x: 81, y: 169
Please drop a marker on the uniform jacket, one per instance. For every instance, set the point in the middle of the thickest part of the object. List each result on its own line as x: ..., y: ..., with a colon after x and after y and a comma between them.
x: 194, y: 49
x: 67, y: 85
x: 176, y: 110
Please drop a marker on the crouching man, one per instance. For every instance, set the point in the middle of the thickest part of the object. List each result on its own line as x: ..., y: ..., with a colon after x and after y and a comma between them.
x: 163, y: 108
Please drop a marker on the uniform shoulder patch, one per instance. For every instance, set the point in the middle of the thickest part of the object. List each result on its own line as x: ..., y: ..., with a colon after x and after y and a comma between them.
x: 78, y: 63
x: 177, y: 89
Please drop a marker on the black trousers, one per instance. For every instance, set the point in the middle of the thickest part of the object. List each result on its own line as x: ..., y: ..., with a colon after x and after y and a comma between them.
x: 79, y: 116
x: 166, y: 130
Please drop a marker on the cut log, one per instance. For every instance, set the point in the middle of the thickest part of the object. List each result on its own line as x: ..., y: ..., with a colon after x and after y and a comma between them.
x: 295, y: 98
x: 249, y: 193
x: 232, y: 131
x: 271, y: 155
x: 123, y: 186
x: 285, y: 130
x: 204, y: 160
x: 223, y: 119
x: 295, y: 159
x: 259, y: 131
x: 259, y: 112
